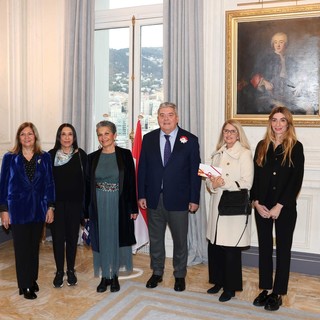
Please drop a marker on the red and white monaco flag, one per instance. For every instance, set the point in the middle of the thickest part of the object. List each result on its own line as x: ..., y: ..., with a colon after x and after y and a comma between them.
x: 141, y: 223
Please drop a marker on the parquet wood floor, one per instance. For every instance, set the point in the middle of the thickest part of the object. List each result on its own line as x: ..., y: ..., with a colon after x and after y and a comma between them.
x: 71, y: 302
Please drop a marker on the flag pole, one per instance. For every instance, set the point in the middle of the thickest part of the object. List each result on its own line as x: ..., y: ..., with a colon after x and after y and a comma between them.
x: 133, y: 21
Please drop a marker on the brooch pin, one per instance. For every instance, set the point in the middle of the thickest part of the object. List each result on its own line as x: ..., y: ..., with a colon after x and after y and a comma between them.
x: 39, y: 161
x: 183, y: 139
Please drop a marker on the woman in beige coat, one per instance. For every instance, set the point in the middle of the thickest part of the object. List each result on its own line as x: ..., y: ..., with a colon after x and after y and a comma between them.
x: 228, y: 235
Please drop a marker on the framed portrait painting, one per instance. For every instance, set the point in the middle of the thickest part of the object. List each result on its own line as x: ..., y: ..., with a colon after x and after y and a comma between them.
x: 273, y: 57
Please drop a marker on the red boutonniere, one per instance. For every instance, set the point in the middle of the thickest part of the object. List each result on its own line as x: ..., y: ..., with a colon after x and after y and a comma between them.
x: 183, y: 139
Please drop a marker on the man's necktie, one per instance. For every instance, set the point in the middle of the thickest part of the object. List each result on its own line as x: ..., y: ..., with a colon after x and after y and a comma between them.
x: 167, y: 150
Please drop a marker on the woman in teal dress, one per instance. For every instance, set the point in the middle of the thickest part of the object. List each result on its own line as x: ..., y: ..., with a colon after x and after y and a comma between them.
x: 112, y: 207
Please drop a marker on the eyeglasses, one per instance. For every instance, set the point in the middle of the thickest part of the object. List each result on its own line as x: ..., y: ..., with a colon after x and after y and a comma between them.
x: 226, y: 131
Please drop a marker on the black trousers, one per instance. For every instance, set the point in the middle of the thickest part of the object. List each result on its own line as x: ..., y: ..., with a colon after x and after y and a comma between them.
x: 26, y: 242
x: 284, y: 228
x: 225, y: 267
x: 177, y: 221
x: 65, y: 233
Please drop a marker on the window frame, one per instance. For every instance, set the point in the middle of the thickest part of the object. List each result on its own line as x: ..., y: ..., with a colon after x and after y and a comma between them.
x: 122, y: 18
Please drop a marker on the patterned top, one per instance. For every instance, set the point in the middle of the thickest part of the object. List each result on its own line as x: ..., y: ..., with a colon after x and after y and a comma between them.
x: 30, y: 167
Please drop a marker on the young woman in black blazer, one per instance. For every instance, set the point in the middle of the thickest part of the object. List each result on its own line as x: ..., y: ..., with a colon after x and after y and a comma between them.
x: 278, y: 175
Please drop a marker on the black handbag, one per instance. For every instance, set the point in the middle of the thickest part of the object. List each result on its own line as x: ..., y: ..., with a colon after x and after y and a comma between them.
x: 234, y: 203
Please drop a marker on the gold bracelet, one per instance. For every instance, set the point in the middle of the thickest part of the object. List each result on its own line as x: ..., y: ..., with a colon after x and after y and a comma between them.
x: 52, y: 208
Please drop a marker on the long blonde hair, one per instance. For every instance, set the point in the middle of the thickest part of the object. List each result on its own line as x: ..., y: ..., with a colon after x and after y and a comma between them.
x: 18, y: 147
x: 242, y: 136
x: 288, y: 142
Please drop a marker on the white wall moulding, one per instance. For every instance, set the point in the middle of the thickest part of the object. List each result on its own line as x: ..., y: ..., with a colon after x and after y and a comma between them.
x: 5, y: 137
x: 32, y: 50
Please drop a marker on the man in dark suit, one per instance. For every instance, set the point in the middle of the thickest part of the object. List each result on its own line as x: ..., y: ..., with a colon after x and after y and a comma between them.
x: 169, y: 187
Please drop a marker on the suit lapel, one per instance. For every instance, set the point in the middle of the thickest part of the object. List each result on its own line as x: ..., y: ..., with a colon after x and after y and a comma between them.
x: 177, y: 145
x: 156, y: 145
x: 21, y: 169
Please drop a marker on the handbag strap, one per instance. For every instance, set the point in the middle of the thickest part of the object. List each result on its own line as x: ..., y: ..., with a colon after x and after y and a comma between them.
x: 246, y: 224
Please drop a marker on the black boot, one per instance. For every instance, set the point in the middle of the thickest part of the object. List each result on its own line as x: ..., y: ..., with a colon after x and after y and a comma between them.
x: 104, y: 283
x: 115, y: 286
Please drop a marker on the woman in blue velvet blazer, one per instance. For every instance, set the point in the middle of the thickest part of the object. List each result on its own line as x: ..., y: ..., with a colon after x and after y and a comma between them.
x: 26, y: 203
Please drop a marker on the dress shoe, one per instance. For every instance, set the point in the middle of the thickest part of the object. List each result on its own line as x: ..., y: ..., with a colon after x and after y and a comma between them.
x: 115, y: 286
x: 226, y: 295
x: 180, y: 284
x: 215, y: 289
x: 261, y: 299
x: 273, y: 303
x: 104, y: 283
x: 28, y: 293
x: 35, y: 287
x: 153, y: 281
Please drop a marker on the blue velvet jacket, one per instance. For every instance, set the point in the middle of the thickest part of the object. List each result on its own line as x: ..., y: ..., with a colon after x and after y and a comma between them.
x: 26, y: 201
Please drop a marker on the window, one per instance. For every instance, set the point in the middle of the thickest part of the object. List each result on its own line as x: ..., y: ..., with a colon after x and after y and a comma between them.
x: 128, y: 59
x: 113, y: 4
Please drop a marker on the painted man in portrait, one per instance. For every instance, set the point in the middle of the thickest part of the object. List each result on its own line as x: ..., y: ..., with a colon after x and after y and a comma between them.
x: 276, y: 78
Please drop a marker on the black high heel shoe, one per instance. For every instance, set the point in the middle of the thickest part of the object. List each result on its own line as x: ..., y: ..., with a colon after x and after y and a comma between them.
x: 102, y: 287
x: 115, y: 286
x: 35, y: 287
x: 28, y: 293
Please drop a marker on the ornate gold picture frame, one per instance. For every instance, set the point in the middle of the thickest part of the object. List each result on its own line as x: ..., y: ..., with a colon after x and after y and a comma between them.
x: 273, y: 56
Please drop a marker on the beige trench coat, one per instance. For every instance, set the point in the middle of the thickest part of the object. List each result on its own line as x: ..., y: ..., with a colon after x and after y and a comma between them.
x: 237, y: 165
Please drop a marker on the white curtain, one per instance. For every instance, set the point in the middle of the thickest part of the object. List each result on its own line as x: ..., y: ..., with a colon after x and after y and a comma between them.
x: 183, y: 85
x: 78, y: 77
